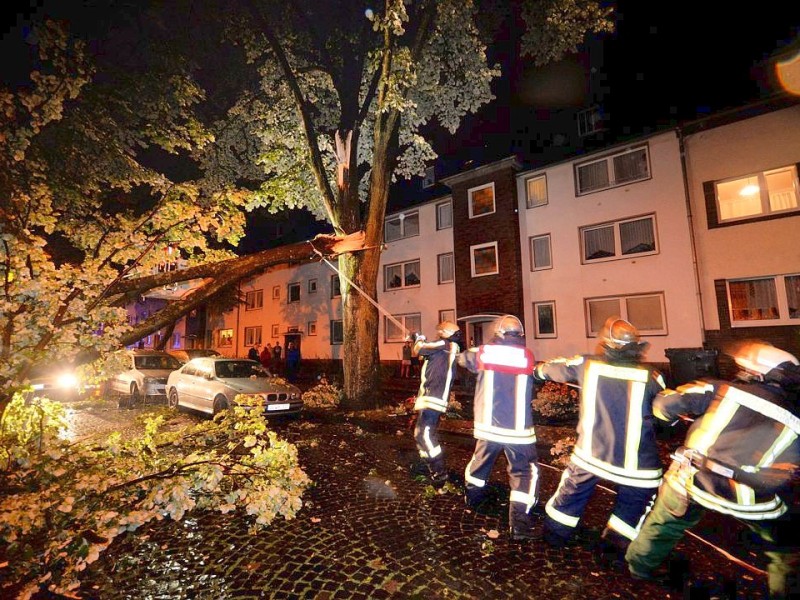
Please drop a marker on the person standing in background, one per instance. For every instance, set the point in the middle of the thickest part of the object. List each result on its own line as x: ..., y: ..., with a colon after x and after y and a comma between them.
x: 277, y: 351
x: 266, y: 357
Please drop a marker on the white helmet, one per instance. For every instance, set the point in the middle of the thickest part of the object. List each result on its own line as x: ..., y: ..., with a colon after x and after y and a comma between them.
x: 760, y: 358
x: 509, y: 325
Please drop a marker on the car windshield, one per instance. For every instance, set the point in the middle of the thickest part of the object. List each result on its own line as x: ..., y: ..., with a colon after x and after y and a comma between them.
x: 238, y: 369
x: 156, y: 361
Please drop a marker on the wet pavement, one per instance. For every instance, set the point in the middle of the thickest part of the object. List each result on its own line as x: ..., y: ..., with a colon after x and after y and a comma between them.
x: 369, y: 529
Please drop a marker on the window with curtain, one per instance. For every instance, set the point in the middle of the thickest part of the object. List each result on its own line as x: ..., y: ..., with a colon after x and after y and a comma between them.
x: 484, y: 259
x: 616, y: 169
x: 401, y: 275
x: 401, y: 226
x: 754, y: 299
x: 337, y: 332
x: 444, y: 215
x: 481, y: 200
x: 536, y: 191
x: 756, y: 194
x: 545, y: 316
x: 619, y: 239
x: 407, y: 323
x: 540, y: 252
x: 793, y: 296
x: 446, y: 272
x: 647, y: 312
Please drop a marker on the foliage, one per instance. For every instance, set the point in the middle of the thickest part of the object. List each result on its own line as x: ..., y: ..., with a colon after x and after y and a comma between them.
x: 556, y: 400
x: 562, y: 450
x: 323, y: 395
x: 64, y: 505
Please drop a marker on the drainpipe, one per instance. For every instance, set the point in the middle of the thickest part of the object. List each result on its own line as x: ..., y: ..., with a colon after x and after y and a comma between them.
x: 690, y: 220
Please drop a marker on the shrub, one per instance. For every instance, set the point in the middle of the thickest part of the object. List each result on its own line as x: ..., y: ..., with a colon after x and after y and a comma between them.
x: 556, y: 400
x: 562, y: 450
x: 324, y: 395
x: 63, y: 504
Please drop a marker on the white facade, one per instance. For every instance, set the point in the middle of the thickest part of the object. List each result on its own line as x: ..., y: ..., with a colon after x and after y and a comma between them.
x: 760, y: 246
x: 572, y: 281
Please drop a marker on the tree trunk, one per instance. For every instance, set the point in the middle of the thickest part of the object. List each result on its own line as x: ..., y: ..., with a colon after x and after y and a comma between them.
x: 361, y: 361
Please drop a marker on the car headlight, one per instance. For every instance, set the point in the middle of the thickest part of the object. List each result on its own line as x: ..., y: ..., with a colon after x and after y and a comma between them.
x: 67, y: 381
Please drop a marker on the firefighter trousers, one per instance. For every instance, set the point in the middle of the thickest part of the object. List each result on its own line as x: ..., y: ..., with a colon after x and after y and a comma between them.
x: 426, y: 436
x: 523, y: 478
x: 662, y: 530
x: 565, y: 508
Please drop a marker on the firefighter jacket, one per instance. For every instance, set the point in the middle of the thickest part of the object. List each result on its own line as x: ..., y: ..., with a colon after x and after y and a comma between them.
x: 437, y: 373
x: 616, y: 435
x: 749, y: 426
x: 502, y: 390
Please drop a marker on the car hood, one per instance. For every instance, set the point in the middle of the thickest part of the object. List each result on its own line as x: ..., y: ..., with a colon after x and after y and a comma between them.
x: 258, y: 386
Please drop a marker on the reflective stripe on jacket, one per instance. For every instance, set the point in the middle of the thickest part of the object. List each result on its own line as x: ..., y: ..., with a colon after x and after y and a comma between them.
x: 503, y: 391
x: 436, y: 376
x: 616, y: 436
x: 748, y: 425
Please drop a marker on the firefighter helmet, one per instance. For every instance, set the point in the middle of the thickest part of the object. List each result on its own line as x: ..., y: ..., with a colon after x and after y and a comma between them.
x: 509, y: 325
x: 617, y: 333
x: 446, y: 329
x: 760, y: 358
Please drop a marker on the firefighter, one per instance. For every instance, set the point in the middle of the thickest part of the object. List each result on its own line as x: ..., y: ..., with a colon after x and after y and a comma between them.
x: 504, y: 422
x: 436, y: 378
x: 740, y: 458
x: 616, y: 438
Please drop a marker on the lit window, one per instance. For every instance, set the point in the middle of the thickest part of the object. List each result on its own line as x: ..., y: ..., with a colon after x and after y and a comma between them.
x: 544, y: 314
x: 444, y: 215
x: 481, y: 200
x: 225, y: 337
x: 254, y: 300
x: 619, y: 239
x: 401, y: 275
x: 484, y: 259
x: 293, y: 293
x: 397, y: 333
x: 401, y: 226
x: 773, y: 300
x: 252, y: 336
x: 337, y: 332
x: 614, y: 170
x: 536, y: 191
x: 446, y: 273
x: 540, y: 252
x: 647, y: 312
x: 759, y: 194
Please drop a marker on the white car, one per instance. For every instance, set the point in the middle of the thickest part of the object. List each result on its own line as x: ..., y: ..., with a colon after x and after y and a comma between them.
x: 211, y: 384
x: 145, y: 378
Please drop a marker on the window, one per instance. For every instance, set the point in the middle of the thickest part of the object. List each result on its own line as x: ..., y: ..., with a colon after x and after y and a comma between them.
x: 481, y: 200
x: 484, y: 259
x: 611, y: 171
x: 544, y: 315
x: 430, y: 177
x: 646, y: 312
x: 756, y: 195
x: 254, y: 300
x: 312, y: 328
x: 252, y: 336
x: 293, y: 293
x: 336, y: 289
x: 446, y: 272
x: 401, y: 226
x: 536, y: 191
x: 447, y: 315
x: 176, y: 340
x: 774, y: 300
x: 540, y: 252
x: 619, y: 239
x: 589, y: 121
x: 444, y: 215
x: 274, y: 332
x: 276, y: 292
x: 401, y: 275
x: 312, y: 286
x: 337, y: 332
x: 225, y: 337
x: 396, y: 333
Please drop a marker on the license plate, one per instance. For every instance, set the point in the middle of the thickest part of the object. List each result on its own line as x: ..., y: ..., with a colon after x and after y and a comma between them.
x: 278, y: 407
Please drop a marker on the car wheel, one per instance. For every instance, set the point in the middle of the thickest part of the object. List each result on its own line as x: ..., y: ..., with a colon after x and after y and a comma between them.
x: 136, y: 396
x: 220, y: 404
x: 173, y: 399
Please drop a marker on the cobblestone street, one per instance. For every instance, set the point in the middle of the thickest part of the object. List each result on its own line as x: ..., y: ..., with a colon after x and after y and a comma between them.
x: 370, y: 530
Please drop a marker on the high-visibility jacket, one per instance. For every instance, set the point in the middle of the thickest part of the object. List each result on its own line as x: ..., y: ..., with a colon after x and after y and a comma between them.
x: 616, y: 435
x: 437, y: 374
x: 503, y: 390
x: 750, y: 426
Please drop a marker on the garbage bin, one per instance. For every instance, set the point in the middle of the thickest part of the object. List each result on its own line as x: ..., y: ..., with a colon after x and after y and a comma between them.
x: 688, y: 364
